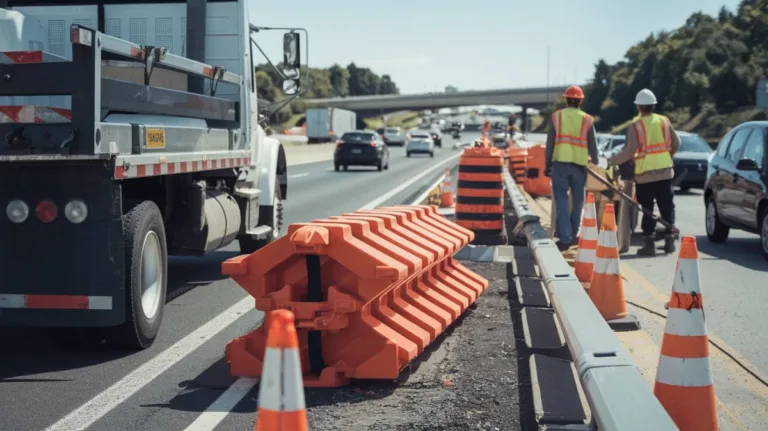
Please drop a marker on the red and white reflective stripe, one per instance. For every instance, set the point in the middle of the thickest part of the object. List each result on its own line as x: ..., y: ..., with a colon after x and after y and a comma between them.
x: 28, y: 57
x: 56, y: 302
x: 154, y: 169
x: 34, y: 114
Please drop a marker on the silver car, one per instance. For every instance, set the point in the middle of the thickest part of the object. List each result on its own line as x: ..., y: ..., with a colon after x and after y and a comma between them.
x: 394, y: 136
x: 420, y: 142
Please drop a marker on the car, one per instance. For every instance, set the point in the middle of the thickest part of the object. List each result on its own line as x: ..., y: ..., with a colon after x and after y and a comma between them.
x: 454, y: 126
x: 420, y: 142
x: 611, y: 143
x: 691, y: 161
x: 735, y: 195
x: 394, y: 136
x: 437, y: 137
x: 361, y: 148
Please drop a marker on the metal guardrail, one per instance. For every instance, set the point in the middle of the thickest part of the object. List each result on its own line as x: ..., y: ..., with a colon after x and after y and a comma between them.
x: 619, y: 398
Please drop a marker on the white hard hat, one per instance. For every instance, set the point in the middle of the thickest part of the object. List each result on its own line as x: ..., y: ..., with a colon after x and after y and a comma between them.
x: 645, y: 97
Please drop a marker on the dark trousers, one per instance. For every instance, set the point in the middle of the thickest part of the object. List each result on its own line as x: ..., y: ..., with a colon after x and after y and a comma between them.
x: 661, y: 193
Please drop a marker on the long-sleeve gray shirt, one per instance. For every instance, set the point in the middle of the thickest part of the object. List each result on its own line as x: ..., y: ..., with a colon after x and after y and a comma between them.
x: 591, y: 145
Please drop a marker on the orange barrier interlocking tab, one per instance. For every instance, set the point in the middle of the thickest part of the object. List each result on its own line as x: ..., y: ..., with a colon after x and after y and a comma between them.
x: 446, y: 198
x: 281, y: 392
x: 586, y: 255
x: 536, y: 183
x: 370, y: 291
x: 518, y: 163
x: 480, y: 195
x: 684, y: 384
x: 606, y: 288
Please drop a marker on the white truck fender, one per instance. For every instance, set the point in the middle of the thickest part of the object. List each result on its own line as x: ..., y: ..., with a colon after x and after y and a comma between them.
x: 274, y: 171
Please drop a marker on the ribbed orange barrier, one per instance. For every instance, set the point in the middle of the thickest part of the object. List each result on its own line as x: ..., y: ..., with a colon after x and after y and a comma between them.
x: 518, y: 163
x: 370, y: 291
x: 536, y: 182
x: 480, y: 193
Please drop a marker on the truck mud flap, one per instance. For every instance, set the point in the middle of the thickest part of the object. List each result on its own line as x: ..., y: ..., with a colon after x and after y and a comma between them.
x: 376, y: 286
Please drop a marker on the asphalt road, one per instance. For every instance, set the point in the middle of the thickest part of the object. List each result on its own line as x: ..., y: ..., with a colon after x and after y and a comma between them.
x: 168, y: 386
x: 733, y: 278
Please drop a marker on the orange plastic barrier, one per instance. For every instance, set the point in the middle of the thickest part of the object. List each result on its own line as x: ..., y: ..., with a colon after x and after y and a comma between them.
x: 536, y: 182
x: 480, y: 193
x: 518, y: 163
x: 370, y: 291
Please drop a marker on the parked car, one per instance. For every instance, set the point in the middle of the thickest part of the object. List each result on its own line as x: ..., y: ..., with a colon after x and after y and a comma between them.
x: 394, y: 136
x: 420, y: 142
x: 735, y: 192
x: 361, y: 148
x: 437, y: 136
x: 691, y: 161
x: 610, y: 143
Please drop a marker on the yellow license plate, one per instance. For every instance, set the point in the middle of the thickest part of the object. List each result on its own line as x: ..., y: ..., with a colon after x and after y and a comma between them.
x: 155, y: 138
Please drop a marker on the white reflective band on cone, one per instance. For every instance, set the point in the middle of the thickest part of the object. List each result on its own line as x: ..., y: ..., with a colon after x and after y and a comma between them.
x: 686, y: 323
x: 607, y: 266
x: 692, y: 372
x: 270, y: 391
x: 293, y: 385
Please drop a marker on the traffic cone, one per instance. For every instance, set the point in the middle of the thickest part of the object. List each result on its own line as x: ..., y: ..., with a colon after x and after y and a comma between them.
x: 606, y: 288
x: 281, y: 390
x: 585, y: 257
x: 446, y: 199
x: 684, y: 384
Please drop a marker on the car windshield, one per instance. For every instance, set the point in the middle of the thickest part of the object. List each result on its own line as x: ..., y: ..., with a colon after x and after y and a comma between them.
x: 694, y: 144
x: 357, y: 136
x: 617, y: 142
x: 392, y: 131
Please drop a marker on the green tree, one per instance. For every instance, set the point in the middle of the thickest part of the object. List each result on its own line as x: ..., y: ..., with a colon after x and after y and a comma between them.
x: 339, y: 77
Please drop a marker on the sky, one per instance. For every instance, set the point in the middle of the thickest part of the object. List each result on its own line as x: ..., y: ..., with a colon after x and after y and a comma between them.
x: 425, y: 45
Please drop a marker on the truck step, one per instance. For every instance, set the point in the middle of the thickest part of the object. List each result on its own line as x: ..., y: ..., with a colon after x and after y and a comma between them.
x: 260, y: 232
x: 540, y: 329
x: 556, y: 397
x: 531, y: 292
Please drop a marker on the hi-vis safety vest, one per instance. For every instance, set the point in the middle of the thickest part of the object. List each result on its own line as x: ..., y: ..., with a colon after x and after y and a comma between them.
x: 654, y: 143
x: 572, y: 127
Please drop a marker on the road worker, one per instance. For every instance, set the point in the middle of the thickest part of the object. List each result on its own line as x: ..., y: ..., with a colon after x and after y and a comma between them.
x: 652, y: 142
x: 570, y: 145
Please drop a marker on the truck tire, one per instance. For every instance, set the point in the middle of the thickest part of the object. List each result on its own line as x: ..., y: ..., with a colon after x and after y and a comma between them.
x: 272, y: 216
x: 146, y: 277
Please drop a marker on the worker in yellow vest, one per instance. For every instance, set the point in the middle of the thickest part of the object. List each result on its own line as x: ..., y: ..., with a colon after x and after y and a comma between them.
x: 570, y: 145
x: 652, y: 142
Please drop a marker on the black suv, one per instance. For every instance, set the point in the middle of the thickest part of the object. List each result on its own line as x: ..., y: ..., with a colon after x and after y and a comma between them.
x: 735, y: 191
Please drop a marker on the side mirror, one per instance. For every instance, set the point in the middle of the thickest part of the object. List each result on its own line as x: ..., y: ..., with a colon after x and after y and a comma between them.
x: 291, y: 52
x: 747, y: 165
x: 291, y: 86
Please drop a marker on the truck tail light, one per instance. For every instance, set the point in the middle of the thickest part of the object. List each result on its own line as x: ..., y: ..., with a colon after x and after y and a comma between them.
x: 76, y: 211
x: 46, y: 211
x: 373, y: 143
x: 17, y: 211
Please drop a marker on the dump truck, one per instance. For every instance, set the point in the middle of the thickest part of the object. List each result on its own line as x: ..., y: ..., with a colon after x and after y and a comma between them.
x: 130, y: 132
x: 328, y: 124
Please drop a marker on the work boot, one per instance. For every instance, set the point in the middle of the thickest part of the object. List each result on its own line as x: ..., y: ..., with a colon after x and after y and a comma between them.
x: 669, y: 243
x: 648, y: 248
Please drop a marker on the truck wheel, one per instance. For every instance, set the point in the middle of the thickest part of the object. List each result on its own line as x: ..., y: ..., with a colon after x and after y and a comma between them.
x: 271, y: 216
x: 146, y: 277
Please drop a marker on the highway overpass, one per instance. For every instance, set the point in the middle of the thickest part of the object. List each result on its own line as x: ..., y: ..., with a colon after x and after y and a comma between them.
x: 538, y: 98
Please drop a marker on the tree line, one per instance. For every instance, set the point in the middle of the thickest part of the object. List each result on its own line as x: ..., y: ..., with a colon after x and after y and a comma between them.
x: 704, y: 74
x: 334, y: 81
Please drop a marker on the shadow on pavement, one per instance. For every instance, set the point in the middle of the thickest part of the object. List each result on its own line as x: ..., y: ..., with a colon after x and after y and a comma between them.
x: 32, y: 350
x: 744, y: 252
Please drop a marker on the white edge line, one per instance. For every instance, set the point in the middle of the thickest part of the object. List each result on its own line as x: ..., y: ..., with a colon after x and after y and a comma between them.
x: 298, y: 175
x: 422, y: 197
x: 224, y: 404
x: 93, y: 410
x: 378, y: 201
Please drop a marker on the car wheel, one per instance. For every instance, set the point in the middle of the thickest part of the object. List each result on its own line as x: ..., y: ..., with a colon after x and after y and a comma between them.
x: 336, y: 167
x: 684, y: 189
x: 346, y: 167
x: 764, y: 231
x: 432, y: 154
x: 386, y: 167
x: 717, y: 231
x: 408, y: 154
x: 380, y: 166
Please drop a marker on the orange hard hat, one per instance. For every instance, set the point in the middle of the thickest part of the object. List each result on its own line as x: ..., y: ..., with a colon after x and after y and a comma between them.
x: 574, y: 92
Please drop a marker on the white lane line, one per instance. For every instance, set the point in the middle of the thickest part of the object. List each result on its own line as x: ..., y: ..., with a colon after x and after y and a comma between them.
x: 381, y: 199
x: 298, y: 175
x: 216, y: 412
x: 422, y: 197
x: 87, y: 414
x: 223, y: 405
